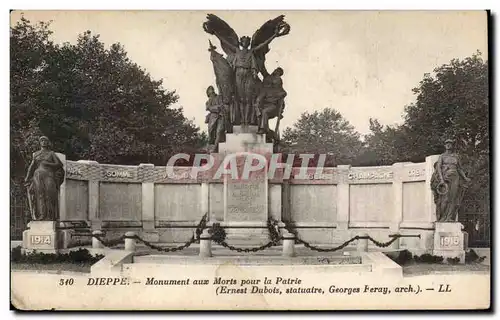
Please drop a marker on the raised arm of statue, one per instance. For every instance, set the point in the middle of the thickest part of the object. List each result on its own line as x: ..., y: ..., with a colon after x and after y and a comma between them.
x: 265, y: 43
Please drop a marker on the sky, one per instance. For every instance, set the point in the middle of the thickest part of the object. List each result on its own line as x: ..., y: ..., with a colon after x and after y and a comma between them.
x: 362, y: 63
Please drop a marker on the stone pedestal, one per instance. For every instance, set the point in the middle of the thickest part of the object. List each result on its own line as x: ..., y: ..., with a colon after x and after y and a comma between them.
x: 288, y: 244
x: 362, y: 245
x: 42, y: 237
x: 246, y: 233
x: 449, y: 240
x: 246, y: 186
x: 245, y: 139
x: 96, y: 243
x: 205, y: 244
x: 130, y: 243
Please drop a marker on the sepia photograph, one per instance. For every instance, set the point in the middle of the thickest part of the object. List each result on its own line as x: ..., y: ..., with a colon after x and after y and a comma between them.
x: 238, y: 160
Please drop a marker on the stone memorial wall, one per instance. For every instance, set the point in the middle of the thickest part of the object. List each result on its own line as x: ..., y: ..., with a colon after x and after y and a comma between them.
x: 325, y: 207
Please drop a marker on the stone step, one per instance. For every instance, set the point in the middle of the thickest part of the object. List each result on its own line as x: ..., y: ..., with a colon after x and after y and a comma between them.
x: 248, y: 237
x: 245, y: 129
x: 247, y: 259
x: 245, y: 138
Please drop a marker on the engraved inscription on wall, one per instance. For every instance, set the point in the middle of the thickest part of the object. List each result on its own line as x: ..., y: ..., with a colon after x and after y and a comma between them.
x: 370, y: 175
x: 74, y: 171
x: 41, y: 240
x: 246, y: 201
x: 449, y: 241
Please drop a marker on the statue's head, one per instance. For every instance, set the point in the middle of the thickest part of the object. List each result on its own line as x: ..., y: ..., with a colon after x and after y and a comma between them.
x: 448, y: 144
x: 210, y: 91
x: 44, y: 141
x: 278, y: 72
x: 245, y: 41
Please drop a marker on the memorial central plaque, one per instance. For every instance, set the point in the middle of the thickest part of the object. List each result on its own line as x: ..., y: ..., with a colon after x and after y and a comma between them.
x: 245, y: 195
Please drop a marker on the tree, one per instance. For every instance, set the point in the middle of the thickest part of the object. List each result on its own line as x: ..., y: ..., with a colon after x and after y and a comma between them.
x: 91, y: 101
x: 384, y: 145
x: 451, y: 102
x: 325, y: 132
x: 454, y: 103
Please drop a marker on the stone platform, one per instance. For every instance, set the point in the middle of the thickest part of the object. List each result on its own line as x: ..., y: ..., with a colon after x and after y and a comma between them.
x: 246, y: 196
x: 41, y: 236
x: 449, y: 240
x: 359, y: 263
x: 245, y: 139
x: 252, y: 259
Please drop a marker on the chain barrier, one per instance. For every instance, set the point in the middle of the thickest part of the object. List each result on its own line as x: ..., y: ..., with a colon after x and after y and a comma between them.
x: 311, y: 247
x: 219, y: 235
x: 199, y: 229
x: 109, y: 243
x: 383, y: 244
x: 80, y: 243
x: 345, y: 244
x: 166, y: 249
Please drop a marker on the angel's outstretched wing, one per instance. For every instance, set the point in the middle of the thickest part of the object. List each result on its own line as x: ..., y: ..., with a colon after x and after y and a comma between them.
x: 218, y: 27
x: 265, y: 32
x: 224, y: 75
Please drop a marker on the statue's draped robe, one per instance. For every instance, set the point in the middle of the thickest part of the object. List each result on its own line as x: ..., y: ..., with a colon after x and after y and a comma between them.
x: 215, y: 119
x: 44, y: 188
x: 447, y: 204
x: 245, y: 65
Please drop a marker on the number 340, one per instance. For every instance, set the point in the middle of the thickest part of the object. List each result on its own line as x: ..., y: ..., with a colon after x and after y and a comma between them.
x: 66, y: 282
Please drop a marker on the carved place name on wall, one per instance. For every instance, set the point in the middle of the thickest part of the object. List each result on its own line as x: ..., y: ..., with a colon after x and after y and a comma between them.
x: 245, y: 209
x: 246, y: 194
x: 177, y: 175
x: 246, y: 198
x: 369, y: 175
x: 74, y: 171
x: 313, y: 176
x: 414, y: 173
x: 117, y: 174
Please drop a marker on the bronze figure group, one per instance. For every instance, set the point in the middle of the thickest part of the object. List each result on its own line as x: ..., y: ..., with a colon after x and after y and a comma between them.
x: 244, y: 98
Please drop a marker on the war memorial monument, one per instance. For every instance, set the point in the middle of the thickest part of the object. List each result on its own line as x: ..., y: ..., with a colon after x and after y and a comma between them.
x: 414, y: 204
x: 240, y: 195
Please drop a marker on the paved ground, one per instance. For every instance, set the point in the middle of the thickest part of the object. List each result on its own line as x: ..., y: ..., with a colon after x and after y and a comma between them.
x: 218, y: 250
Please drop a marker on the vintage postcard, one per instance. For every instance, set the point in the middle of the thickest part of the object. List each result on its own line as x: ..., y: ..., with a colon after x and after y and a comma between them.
x: 249, y: 160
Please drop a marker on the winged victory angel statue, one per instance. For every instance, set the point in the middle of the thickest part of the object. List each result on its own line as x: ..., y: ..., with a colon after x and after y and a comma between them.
x: 237, y: 75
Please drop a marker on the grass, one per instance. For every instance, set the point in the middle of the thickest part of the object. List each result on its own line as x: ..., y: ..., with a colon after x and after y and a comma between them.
x: 78, y: 260
x: 59, y: 267
x: 430, y: 264
x: 416, y: 268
